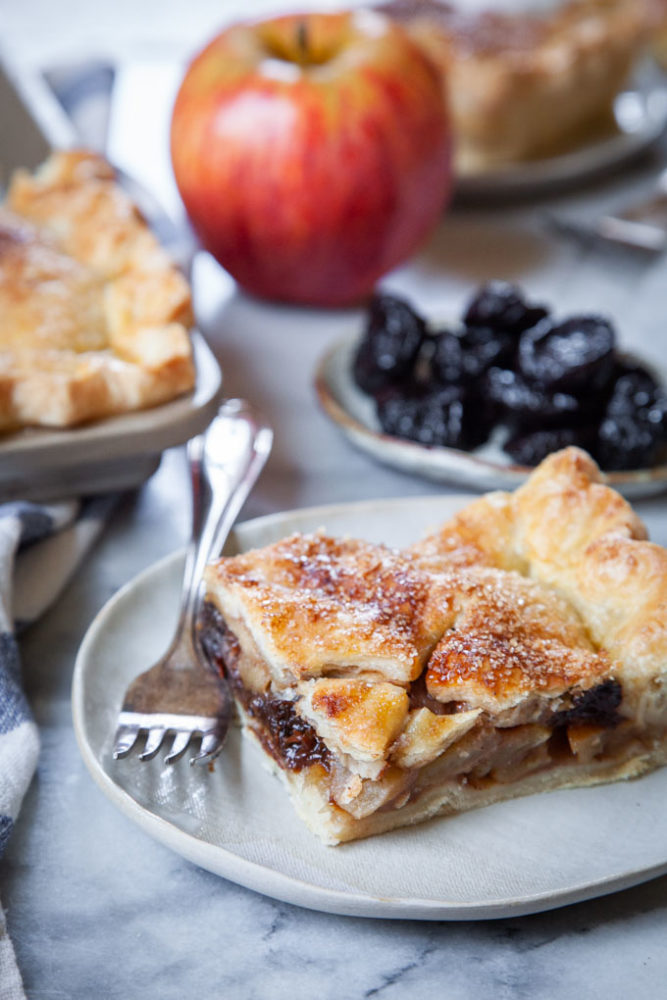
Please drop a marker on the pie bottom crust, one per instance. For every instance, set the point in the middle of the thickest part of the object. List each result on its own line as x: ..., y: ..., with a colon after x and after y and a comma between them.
x: 309, y: 787
x: 332, y: 825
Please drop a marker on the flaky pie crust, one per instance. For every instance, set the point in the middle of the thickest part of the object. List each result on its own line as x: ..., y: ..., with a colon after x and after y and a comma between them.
x: 520, y: 647
x: 95, y: 315
x: 527, y: 85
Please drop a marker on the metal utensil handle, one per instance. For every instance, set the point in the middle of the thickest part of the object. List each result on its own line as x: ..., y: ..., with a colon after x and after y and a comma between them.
x: 224, y: 464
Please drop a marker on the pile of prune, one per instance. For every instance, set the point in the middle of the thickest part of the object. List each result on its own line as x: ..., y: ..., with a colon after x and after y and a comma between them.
x: 547, y: 383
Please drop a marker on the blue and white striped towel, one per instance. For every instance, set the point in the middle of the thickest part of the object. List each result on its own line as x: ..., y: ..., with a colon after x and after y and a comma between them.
x: 40, y: 547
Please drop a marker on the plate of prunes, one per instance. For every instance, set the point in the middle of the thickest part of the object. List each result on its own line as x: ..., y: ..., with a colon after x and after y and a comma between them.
x: 482, y: 400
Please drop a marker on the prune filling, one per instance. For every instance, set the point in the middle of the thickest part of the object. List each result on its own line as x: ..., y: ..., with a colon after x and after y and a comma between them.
x: 219, y: 643
x: 598, y: 706
x: 288, y: 738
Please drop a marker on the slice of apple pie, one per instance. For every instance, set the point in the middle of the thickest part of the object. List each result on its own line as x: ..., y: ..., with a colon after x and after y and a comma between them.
x: 528, y: 84
x: 95, y: 315
x: 522, y: 647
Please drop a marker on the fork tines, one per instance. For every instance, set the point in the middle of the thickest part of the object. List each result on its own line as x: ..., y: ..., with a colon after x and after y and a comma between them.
x: 181, y: 728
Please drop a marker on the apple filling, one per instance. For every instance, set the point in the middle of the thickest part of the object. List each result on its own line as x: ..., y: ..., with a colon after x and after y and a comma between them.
x: 420, y: 748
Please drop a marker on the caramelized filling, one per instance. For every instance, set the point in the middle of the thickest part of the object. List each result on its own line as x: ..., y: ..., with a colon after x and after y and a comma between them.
x: 420, y: 698
x: 289, y: 739
x: 597, y: 706
x: 294, y: 743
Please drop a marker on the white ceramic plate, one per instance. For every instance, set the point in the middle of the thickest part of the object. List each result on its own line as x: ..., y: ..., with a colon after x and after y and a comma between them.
x: 516, y: 857
x: 116, y: 453
x: 640, y: 114
x: 485, y: 468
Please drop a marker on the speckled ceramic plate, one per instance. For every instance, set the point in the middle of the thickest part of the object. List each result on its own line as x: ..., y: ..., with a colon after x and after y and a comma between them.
x: 640, y: 115
x: 485, y: 468
x: 512, y: 858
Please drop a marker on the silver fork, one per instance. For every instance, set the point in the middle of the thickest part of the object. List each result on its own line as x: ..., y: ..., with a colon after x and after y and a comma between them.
x: 180, y: 695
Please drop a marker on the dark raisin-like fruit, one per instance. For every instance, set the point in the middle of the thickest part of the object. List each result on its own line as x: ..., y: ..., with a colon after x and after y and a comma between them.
x: 529, y: 449
x: 446, y: 417
x: 626, y: 364
x: 628, y: 442
x: 447, y: 358
x: 633, y: 433
x: 598, y: 706
x: 500, y: 306
x: 483, y: 347
x: 635, y: 394
x: 389, y: 349
x: 530, y: 407
x: 576, y: 356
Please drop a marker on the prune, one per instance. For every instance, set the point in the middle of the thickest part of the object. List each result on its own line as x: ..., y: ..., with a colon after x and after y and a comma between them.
x: 597, y: 706
x: 529, y: 406
x: 637, y: 393
x: 447, y: 358
x: 500, y: 306
x: 389, y: 349
x: 548, y: 384
x: 627, y: 442
x: 633, y: 432
x: 483, y: 347
x: 626, y: 364
x: 529, y: 449
x: 575, y: 356
x: 442, y: 417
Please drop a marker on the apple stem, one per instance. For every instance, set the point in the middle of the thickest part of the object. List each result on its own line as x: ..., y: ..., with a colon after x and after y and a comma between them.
x: 302, y: 39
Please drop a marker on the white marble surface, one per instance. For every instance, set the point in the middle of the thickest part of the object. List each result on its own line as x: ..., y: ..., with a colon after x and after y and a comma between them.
x: 97, y: 908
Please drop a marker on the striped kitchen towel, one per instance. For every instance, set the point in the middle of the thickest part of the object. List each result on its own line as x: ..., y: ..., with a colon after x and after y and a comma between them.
x: 40, y: 547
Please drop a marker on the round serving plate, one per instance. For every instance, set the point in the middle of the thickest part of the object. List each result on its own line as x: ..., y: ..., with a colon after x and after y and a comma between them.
x: 516, y: 857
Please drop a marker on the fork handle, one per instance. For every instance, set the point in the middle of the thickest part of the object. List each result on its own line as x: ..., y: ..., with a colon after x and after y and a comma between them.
x: 224, y: 464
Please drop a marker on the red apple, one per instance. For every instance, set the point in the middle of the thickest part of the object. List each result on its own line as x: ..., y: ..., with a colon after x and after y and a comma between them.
x: 312, y: 153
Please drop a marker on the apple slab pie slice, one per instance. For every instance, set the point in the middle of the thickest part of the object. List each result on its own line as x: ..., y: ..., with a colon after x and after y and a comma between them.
x: 521, y: 647
x: 95, y: 315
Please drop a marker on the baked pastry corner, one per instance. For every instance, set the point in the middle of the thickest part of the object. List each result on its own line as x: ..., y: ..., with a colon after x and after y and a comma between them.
x: 519, y: 648
x: 527, y: 85
x: 96, y: 316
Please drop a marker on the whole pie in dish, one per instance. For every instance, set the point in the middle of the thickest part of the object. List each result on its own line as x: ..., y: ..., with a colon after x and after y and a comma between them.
x: 521, y: 647
x: 95, y: 315
x: 527, y: 85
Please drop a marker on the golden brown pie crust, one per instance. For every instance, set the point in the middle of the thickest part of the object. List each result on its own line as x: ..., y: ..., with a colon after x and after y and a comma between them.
x: 527, y: 85
x: 95, y: 314
x: 521, y: 647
